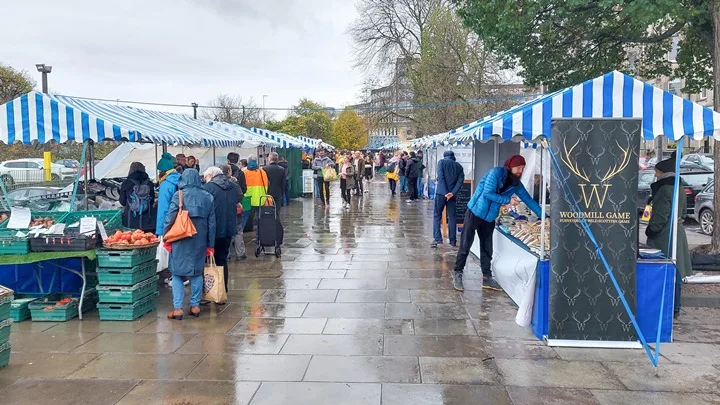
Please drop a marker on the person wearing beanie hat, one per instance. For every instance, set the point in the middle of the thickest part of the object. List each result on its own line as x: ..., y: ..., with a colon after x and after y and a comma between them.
x: 498, y: 187
x: 166, y: 162
x: 659, y: 227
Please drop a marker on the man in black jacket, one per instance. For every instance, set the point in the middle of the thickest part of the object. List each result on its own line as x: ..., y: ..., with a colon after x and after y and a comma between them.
x: 276, y: 176
x: 225, y: 200
x: 412, y: 172
x: 402, y: 167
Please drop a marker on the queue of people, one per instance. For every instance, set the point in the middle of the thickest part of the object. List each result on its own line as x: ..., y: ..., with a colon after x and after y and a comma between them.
x: 220, y: 202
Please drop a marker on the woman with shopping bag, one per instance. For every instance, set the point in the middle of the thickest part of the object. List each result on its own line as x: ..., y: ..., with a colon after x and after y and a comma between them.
x: 188, y: 253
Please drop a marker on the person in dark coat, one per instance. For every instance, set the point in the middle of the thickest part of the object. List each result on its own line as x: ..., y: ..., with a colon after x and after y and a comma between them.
x: 402, y: 166
x: 276, y: 175
x: 233, y: 159
x: 137, y: 186
x: 225, y: 200
x: 450, y: 177
x: 658, y: 231
x: 412, y: 173
x: 187, y: 256
x: 284, y: 164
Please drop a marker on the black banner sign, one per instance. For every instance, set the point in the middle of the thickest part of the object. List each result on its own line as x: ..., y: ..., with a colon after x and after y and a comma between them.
x: 597, y: 159
x: 463, y: 198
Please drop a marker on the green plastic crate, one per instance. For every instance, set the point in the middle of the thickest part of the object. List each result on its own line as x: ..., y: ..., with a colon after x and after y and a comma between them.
x: 125, y: 258
x: 111, y: 219
x: 19, y: 310
x: 60, y: 314
x: 56, y: 216
x: 12, y: 245
x: 127, y: 295
x: 128, y: 312
x: 6, y: 297
x: 5, y: 354
x: 5, y: 331
x: 126, y: 276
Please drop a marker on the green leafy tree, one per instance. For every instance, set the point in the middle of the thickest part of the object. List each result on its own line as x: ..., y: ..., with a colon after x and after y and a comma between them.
x: 560, y: 43
x: 14, y: 83
x: 308, y: 118
x: 349, y: 131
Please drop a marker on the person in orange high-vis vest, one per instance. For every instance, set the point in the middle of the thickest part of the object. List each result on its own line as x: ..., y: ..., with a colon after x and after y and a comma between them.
x: 257, y: 182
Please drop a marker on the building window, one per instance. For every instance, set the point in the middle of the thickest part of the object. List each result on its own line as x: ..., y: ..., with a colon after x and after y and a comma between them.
x: 675, y: 87
x: 672, y: 55
x: 702, y: 95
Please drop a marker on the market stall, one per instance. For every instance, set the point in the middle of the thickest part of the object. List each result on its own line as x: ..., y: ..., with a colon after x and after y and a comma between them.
x: 36, y: 248
x: 568, y: 285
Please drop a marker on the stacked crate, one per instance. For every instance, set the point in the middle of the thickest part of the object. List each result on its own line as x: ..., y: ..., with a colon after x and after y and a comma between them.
x: 127, y: 283
x: 6, y: 297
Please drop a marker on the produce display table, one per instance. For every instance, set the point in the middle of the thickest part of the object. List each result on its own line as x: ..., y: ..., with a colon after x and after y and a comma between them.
x: 526, y: 279
x: 37, y: 260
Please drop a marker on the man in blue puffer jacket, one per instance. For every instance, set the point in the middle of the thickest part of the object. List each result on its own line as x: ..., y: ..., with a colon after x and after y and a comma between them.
x: 500, y: 186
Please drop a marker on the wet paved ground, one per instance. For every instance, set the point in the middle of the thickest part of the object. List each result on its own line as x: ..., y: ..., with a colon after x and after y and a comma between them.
x: 359, y: 311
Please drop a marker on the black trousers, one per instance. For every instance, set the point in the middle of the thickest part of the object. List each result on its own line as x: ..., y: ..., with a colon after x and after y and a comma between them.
x: 222, y: 251
x: 412, y: 184
x: 484, y: 229
x: 393, y: 185
x: 324, y: 190
x: 359, y: 187
x: 345, y: 191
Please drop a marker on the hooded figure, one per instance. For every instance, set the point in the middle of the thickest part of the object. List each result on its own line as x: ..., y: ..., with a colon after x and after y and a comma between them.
x: 138, y: 191
x: 225, y: 200
x: 658, y: 229
x: 168, y: 185
x: 450, y: 177
x: 187, y: 256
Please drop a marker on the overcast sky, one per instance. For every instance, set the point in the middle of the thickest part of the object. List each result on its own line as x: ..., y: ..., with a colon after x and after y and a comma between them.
x: 183, y: 51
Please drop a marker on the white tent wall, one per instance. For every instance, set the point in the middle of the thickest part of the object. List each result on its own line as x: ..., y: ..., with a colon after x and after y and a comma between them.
x: 534, y: 165
x: 463, y: 155
x: 117, y: 163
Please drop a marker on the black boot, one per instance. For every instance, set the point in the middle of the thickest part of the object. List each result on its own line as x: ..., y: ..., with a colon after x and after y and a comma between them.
x: 457, y: 281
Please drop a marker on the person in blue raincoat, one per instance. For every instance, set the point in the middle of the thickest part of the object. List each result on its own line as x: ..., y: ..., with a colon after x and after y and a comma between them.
x: 187, y: 256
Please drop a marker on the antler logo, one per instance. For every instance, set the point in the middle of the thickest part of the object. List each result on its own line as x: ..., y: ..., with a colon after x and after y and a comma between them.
x: 594, y: 191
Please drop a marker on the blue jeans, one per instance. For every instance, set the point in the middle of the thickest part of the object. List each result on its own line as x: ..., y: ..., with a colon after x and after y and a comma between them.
x: 451, y: 206
x: 246, y: 217
x: 404, y: 185
x: 420, y: 187
x: 178, y: 291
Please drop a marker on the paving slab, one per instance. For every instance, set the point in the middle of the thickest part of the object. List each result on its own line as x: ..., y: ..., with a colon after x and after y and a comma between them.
x: 250, y: 368
x: 65, y: 392
x: 129, y: 366
x: 435, y: 346
x: 433, y: 394
x: 347, y: 345
x: 338, y: 326
x: 234, y: 344
x: 458, y: 370
x: 607, y: 397
x: 363, y: 369
x: 309, y: 393
x: 191, y: 392
x: 254, y: 326
x: 557, y: 373
x: 667, y: 377
x: 551, y: 396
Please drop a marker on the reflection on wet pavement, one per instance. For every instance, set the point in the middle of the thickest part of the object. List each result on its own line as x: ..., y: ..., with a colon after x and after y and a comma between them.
x: 359, y: 310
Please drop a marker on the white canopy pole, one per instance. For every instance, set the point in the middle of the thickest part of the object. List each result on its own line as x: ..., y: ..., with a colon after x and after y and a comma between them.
x: 543, y: 182
x: 676, y: 201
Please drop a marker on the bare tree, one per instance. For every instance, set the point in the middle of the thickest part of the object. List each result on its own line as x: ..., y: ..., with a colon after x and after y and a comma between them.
x: 232, y: 109
x: 390, y: 29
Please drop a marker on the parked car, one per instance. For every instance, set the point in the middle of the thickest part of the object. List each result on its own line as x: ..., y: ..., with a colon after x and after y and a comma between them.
x: 700, y: 159
x: 69, y: 163
x: 20, y: 197
x: 704, y: 209
x: 24, y: 171
x: 647, y: 177
x: 697, y: 182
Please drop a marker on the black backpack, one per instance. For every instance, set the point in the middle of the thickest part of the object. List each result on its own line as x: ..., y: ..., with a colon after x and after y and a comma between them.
x: 139, y: 201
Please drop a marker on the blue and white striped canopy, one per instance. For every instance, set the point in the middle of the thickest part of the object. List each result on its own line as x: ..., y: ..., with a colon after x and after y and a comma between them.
x: 284, y: 140
x: 613, y: 95
x: 240, y: 132
x: 38, y: 117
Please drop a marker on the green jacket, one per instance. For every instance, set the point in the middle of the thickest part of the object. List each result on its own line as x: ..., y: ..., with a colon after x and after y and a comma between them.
x: 658, y: 229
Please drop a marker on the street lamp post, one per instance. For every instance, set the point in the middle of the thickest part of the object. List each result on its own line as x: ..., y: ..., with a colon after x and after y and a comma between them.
x: 264, y: 117
x: 195, y: 107
x: 44, y: 69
